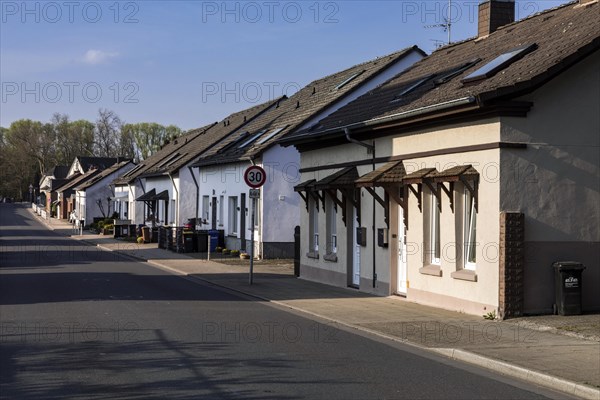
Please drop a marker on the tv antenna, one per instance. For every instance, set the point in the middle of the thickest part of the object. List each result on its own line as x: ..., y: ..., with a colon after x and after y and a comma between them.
x: 447, y: 25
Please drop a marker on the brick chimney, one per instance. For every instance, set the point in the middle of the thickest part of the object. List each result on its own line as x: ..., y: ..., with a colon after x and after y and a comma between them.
x: 493, y: 14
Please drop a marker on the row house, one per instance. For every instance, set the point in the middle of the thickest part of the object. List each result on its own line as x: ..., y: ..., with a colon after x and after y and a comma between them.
x: 172, y: 180
x: 94, y: 196
x: 459, y: 182
x: 223, y: 194
x: 48, y: 184
x: 82, y: 168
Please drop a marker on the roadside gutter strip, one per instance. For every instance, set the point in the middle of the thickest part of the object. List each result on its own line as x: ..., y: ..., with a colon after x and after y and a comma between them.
x: 501, y: 367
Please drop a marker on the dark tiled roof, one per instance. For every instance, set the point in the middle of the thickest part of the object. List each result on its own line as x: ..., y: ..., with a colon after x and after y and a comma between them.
x: 344, y: 178
x: 60, y: 171
x: 298, y: 109
x: 418, y: 176
x: 78, y: 180
x: 160, y: 155
x: 392, y: 172
x: 454, y: 173
x: 103, y: 174
x: 563, y: 35
x: 209, y: 137
x: 98, y: 162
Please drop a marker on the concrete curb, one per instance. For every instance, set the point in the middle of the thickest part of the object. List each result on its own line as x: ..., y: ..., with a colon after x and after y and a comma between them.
x: 504, y: 368
x: 501, y: 367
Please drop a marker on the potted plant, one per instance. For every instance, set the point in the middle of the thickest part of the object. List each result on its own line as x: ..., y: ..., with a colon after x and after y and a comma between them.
x: 218, y: 249
x: 140, y: 240
x: 235, y: 253
x: 226, y: 252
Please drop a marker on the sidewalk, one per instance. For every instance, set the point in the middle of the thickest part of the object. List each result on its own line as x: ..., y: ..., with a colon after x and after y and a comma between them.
x: 529, y: 348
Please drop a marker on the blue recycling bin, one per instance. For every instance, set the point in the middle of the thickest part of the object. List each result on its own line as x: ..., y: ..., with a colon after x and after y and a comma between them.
x: 214, y: 240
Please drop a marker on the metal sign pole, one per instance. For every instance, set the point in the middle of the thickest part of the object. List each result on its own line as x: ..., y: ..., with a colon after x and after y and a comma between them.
x: 252, y: 240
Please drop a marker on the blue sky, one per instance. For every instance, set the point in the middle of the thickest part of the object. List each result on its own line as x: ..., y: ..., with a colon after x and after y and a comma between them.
x: 191, y: 63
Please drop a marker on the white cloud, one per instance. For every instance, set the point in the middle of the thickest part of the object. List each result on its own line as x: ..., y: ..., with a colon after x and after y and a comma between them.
x: 94, y: 57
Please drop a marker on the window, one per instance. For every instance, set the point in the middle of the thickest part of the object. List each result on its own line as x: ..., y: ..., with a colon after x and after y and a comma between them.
x: 169, y: 159
x: 173, y: 212
x: 499, y: 63
x: 331, y: 226
x: 470, y: 230
x: 411, y: 87
x: 434, y: 230
x: 313, y: 219
x: 221, y: 207
x: 252, y: 139
x: 350, y: 79
x: 205, y: 207
x: 270, y: 135
x: 233, y: 216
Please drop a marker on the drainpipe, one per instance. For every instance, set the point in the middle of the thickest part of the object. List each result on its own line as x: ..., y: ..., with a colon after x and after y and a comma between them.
x: 373, y: 233
x: 197, y: 190
x: 176, y: 211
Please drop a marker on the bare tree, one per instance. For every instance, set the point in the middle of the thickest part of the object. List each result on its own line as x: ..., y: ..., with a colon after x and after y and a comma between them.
x: 73, y: 138
x: 107, y: 134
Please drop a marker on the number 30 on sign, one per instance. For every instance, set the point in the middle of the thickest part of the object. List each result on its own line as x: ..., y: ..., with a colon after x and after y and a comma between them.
x: 255, y: 176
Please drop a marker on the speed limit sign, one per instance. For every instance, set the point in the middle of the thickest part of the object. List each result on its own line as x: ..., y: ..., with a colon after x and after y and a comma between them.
x: 255, y: 176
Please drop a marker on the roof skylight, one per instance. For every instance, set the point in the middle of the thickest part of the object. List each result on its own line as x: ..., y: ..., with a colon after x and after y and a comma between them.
x: 270, y: 135
x: 350, y: 79
x: 132, y: 171
x: 252, y: 139
x: 499, y: 63
x: 169, y: 159
x: 449, y: 75
x: 418, y: 83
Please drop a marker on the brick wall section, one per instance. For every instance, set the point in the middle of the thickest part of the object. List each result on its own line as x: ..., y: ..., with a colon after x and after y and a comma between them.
x: 512, y: 262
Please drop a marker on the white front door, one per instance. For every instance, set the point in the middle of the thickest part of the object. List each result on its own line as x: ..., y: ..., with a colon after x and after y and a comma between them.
x: 401, y: 283
x: 356, y: 253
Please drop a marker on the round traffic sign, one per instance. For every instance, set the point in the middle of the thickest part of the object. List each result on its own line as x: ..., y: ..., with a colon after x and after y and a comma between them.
x: 255, y: 176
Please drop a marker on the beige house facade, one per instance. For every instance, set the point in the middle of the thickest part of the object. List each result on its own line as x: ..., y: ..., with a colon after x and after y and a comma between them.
x: 457, y: 188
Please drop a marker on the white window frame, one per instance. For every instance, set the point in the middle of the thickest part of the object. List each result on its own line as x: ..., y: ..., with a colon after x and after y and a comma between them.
x: 331, y: 214
x: 469, y: 230
x: 313, y: 218
x: 221, y: 210
x: 205, y: 208
x: 434, y: 230
x: 233, y: 216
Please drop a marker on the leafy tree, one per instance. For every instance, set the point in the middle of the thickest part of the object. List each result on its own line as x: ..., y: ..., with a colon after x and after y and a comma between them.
x: 149, y: 137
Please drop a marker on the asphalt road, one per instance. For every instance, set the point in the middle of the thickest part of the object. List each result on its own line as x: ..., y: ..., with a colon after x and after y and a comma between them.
x: 79, y: 323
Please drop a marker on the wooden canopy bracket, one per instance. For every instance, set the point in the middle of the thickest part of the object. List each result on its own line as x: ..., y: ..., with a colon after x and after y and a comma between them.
x: 384, y: 203
x: 419, y: 194
x: 305, y: 198
x: 449, y: 192
x: 474, y: 189
x: 435, y: 189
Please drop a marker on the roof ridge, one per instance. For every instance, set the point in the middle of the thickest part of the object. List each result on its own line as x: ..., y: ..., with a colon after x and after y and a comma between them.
x: 503, y: 27
x: 390, y: 58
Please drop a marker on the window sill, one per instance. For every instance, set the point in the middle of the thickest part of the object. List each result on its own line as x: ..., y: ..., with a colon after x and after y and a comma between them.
x: 433, y: 270
x: 332, y: 257
x: 232, y: 235
x: 313, y: 254
x: 465, y: 275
